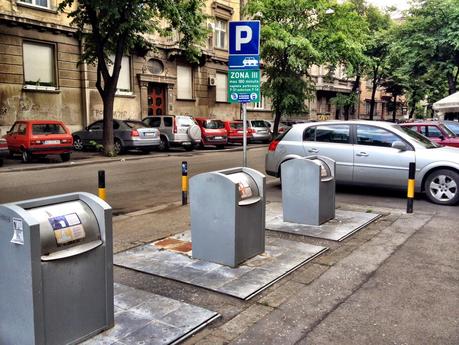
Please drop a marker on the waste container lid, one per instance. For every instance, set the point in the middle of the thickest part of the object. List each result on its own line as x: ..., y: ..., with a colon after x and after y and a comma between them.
x: 247, y: 187
x: 324, y: 169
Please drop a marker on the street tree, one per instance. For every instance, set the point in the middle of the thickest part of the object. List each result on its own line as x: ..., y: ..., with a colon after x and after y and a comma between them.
x: 297, y: 34
x: 430, y: 37
x: 115, y: 28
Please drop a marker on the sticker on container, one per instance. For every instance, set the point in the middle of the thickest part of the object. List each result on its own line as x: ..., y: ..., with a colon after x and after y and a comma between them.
x: 67, y: 228
x: 69, y: 234
x: 18, y: 231
x: 244, y: 190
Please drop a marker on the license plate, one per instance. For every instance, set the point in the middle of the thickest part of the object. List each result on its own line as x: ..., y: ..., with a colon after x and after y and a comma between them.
x: 149, y: 134
x: 240, y: 131
x: 218, y: 138
x: 52, y: 142
x: 186, y: 143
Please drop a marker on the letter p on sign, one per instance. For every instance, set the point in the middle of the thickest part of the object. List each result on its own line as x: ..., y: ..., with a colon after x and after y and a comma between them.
x: 244, y: 37
x: 240, y: 40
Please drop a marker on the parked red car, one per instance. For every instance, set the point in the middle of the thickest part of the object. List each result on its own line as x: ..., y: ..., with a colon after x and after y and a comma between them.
x: 3, y: 150
x: 39, y: 138
x: 235, y: 131
x: 213, y: 132
x: 435, y: 131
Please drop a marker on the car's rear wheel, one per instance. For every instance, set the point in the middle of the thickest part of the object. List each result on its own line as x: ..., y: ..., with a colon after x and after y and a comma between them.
x: 220, y: 147
x: 65, y: 157
x: 1, y: 162
x: 118, y: 147
x: 189, y: 148
x: 26, y: 156
x: 441, y: 187
x: 164, y: 144
x: 78, y: 144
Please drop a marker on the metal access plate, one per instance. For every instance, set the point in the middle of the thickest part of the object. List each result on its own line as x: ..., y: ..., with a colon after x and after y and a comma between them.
x: 250, y: 278
x: 146, y: 318
x: 342, y: 226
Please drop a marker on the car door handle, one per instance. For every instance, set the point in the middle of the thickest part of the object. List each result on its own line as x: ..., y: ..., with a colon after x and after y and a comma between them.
x: 362, y: 154
x: 313, y: 150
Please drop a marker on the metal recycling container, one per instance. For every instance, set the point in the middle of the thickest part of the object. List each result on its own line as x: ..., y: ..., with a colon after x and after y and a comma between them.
x: 56, y: 270
x: 308, y: 190
x: 228, y: 215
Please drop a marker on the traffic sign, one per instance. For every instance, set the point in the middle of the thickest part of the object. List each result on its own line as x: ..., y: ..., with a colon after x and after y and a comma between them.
x: 244, y: 62
x: 244, y: 37
x: 243, y: 86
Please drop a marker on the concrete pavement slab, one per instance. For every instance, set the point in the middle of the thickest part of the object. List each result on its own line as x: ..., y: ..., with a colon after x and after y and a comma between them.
x: 253, y: 276
x: 339, y: 228
x: 146, y: 318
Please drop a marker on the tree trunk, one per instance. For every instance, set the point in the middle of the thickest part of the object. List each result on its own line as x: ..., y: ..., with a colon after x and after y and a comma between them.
x: 394, y: 111
x: 373, y: 91
x: 108, y: 101
x: 355, y: 90
x: 276, y: 122
x: 451, y: 83
x: 412, y: 107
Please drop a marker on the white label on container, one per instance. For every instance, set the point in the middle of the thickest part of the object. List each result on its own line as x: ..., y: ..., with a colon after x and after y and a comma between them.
x: 18, y: 231
x: 69, y: 234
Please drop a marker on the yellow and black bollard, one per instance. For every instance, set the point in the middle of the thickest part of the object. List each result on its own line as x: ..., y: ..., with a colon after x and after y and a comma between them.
x: 410, y: 193
x: 184, y: 183
x: 102, y: 194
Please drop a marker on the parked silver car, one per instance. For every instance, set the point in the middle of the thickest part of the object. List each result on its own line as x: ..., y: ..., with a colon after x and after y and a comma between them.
x: 129, y: 134
x: 260, y: 131
x: 176, y: 130
x: 374, y: 154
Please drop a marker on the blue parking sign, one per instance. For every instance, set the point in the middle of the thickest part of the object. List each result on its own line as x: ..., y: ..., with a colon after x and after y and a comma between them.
x: 244, y: 37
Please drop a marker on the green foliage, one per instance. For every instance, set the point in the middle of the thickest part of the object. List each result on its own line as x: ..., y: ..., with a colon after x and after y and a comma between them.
x: 427, y: 44
x: 296, y: 34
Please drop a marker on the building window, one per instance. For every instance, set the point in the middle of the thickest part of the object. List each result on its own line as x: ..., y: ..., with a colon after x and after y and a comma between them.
x: 222, y: 87
x: 124, y: 79
x: 220, y: 33
x: 367, y: 107
x: 39, y: 3
x: 184, y: 82
x: 39, y: 65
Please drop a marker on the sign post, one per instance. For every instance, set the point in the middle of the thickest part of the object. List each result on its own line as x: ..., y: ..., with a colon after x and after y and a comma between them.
x: 244, y: 69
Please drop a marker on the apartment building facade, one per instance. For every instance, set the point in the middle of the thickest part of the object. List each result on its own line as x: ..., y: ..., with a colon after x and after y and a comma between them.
x: 40, y: 77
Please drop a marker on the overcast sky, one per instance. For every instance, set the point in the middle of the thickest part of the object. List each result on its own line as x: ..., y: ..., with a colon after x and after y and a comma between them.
x: 400, y: 4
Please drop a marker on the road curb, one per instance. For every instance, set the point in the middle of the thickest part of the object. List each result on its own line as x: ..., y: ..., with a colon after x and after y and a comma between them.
x: 119, y: 159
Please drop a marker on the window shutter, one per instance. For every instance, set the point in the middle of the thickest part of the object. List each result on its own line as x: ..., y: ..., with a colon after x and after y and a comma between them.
x: 39, y: 63
x: 184, y: 82
x: 222, y: 85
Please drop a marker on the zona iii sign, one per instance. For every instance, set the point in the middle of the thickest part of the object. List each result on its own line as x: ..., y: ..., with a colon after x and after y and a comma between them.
x: 243, y: 86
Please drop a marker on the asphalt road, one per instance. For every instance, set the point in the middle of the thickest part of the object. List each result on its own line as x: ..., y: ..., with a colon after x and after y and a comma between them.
x: 131, y: 184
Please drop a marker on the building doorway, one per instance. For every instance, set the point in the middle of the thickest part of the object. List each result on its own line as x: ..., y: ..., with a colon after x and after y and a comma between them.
x: 156, y: 99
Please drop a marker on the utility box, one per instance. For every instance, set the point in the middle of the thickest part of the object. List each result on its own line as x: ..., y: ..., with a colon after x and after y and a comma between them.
x: 228, y: 215
x: 56, y: 270
x: 308, y: 190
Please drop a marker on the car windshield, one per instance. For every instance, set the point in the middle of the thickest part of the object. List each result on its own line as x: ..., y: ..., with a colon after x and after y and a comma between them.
x: 213, y: 124
x: 447, y: 131
x: 236, y: 125
x: 419, y: 138
x: 258, y: 123
x: 47, y: 128
x: 453, y: 126
x: 135, y: 124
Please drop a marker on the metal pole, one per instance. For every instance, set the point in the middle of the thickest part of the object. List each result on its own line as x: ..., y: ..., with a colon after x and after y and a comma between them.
x: 411, y: 183
x: 101, y: 191
x: 184, y: 183
x: 244, y: 138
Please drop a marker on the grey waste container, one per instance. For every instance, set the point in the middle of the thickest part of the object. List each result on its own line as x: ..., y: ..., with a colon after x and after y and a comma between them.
x: 56, y: 270
x: 308, y: 190
x: 228, y: 215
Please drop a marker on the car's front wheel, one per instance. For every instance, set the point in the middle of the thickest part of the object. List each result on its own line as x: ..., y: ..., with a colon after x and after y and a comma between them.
x: 65, y: 157
x: 164, y: 144
x: 441, y: 187
x: 77, y: 144
x: 26, y: 156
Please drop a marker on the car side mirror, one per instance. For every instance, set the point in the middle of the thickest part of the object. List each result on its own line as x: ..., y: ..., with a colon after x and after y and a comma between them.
x: 399, y: 145
x: 441, y: 137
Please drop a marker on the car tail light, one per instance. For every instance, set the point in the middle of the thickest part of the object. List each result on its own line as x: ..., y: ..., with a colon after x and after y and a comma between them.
x: 272, y: 147
x: 63, y: 141
x: 134, y: 133
x: 36, y: 142
x: 175, y: 126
